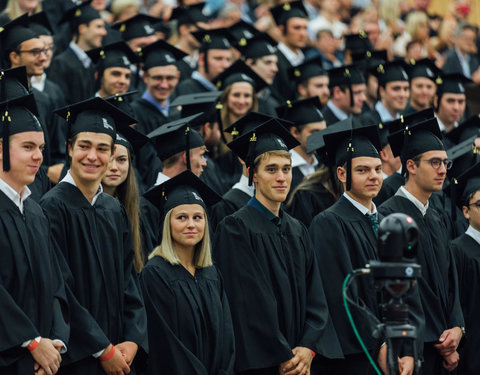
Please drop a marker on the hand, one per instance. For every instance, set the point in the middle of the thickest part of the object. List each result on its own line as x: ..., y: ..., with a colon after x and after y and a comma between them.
x: 449, y: 341
x: 299, y: 364
x: 382, y: 359
x: 57, y: 345
x: 406, y: 365
x: 128, y: 350
x: 54, y: 173
x: 47, y: 356
x: 451, y: 362
x: 115, y: 365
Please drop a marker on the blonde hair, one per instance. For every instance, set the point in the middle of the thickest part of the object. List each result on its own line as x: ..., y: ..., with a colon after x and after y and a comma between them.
x: 119, y: 6
x: 13, y: 9
x: 390, y: 11
x: 224, y: 112
x: 412, y: 22
x: 203, y: 254
x: 268, y: 154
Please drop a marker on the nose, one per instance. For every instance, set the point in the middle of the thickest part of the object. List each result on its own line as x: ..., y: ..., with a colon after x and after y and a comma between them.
x: 226, y: 63
x: 190, y: 222
x: 275, y: 68
x: 37, y: 155
x: 113, y: 165
x: 92, y: 154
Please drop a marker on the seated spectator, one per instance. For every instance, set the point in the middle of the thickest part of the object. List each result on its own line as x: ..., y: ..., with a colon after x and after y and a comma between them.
x: 416, y: 28
x: 124, y: 9
x: 326, y: 46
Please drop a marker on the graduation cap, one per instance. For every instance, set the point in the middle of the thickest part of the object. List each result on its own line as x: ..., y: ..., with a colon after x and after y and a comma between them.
x: 213, y: 39
x: 366, y: 60
x: 239, y: 72
x: 390, y: 72
x: 206, y: 102
x: 121, y: 101
x: 346, y: 75
x: 132, y: 139
x: 466, y: 130
x: 242, y: 31
x: 15, y: 33
x: 251, y: 121
x: 349, y: 141
x: 308, y: 69
x: 176, y: 136
x: 160, y: 53
x: 137, y: 26
x: 80, y: 14
x: 13, y: 83
x: 358, y: 42
x: 283, y: 12
x: 464, y: 185
x: 184, y: 188
x: 301, y: 112
x: 463, y: 155
x: 258, y: 46
x: 116, y: 54
x: 189, y: 14
x: 40, y: 24
x: 424, y: 68
x: 18, y: 115
x: 452, y: 83
x: 269, y: 136
x: 415, y: 140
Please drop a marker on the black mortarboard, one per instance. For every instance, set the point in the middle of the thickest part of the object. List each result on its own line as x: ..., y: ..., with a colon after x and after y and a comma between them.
x: 130, y: 138
x: 213, y: 39
x: 176, y: 136
x: 251, y: 121
x: 15, y: 33
x: 346, y: 75
x: 358, y: 42
x: 137, y: 26
x: 283, y: 12
x: 351, y: 141
x: 301, y: 112
x: 415, y: 140
x: 40, y: 24
x: 465, y: 130
x: 160, y: 53
x: 258, y: 46
x: 13, y: 83
x: 18, y: 115
x: 269, y: 136
x: 390, y: 72
x: 117, y: 54
x: 184, y: 188
x: 463, y: 155
x: 80, y: 14
x: 242, y: 31
x: 206, y: 102
x: 425, y: 68
x: 239, y: 72
x: 452, y: 83
x: 308, y: 69
x: 189, y: 14
x: 122, y: 102
x: 366, y: 60
x: 465, y: 184
x: 316, y: 142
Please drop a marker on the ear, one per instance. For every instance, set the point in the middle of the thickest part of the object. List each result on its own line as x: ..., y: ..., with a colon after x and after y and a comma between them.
x: 145, y: 77
x: 411, y: 167
x: 178, y: 74
x: 96, y: 75
x: 70, y: 149
x: 200, y: 61
x: 435, y: 101
x: 14, y: 58
x: 294, y: 131
x: 381, y: 91
x: 466, y: 212
x: 255, y: 179
x: 184, y: 158
x: 1, y: 151
x: 81, y: 28
x: 249, y: 62
x: 383, y: 156
x: 302, y: 90
x: 342, y: 175
x: 282, y: 29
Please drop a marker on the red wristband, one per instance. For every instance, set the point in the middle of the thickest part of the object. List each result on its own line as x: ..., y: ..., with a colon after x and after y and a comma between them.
x: 110, y: 354
x: 33, y: 345
x: 313, y: 353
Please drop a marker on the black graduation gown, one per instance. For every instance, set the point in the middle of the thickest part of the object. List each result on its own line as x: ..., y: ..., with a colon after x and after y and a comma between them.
x: 149, y: 117
x: 307, y: 203
x: 151, y: 231
x: 283, y: 87
x: 409, y: 110
x: 58, y: 126
x: 389, y: 187
x: 189, y: 86
x: 229, y: 169
x: 185, y: 70
x: 189, y: 323
x: 41, y: 185
x: 76, y: 81
x: 45, y: 109
x: 147, y: 164
x: 267, y: 102
x: 232, y: 201
x: 212, y: 176
x: 97, y: 249
x: 329, y: 117
x: 443, y: 205
x: 285, y: 306
x: 371, y: 117
x: 466, y: 252
x: 297, y: 177
x: 32, y: 293
x: 438, y: 286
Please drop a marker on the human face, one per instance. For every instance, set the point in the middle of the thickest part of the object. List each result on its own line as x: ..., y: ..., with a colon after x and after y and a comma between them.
x: 92, y: 33
x: 372, y: 88
x: 422, y: 92
x: 451, y: 109
x: 50, y: 47
x: 307, y: 131
x: 115, y: 80
x: 27, y: 6
x: 472, y: 212
x: 296, y: 35
x: 25, y: 159
x: 90, y: 155
x: 326, y: 43
x: 359, y: 97
x: 466, y: 41
x: 366, y: 178
x: 198, y: 160
x: 272, y: 179
x: 99, y: 5
x: 240, y: 98
x: 318, y: 86
x: 161, y: 81
x: 35, y: 65
x: 187, y: 225
x: 218, y: 60
x: 426, y: 177
x: 266, y: 67
x: 395, y: 95
x: 118, y: 166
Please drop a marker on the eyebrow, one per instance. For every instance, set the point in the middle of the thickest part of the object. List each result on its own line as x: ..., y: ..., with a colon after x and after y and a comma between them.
x: 277, y: 165
x: 32, y: 143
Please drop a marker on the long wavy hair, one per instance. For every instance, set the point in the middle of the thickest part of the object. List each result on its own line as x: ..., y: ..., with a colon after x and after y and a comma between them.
x: 13, y: 9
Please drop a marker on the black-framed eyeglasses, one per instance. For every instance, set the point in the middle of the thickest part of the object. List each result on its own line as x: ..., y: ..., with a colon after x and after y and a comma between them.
x: 476, y: 204
x: 37, y: 51
x: 437, y: 162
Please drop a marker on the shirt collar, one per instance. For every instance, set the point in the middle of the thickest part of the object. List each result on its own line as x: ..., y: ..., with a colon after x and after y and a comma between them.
x: 383, y: 112
x: 472, y: 232
x: 161, y: 178
x: 294, y: 58
x: 265, y: 211
x: 298, y: 160
x: 203, y: 81
x: 442, y: 126
x: 191, y: 60
x: 69, y: 179
x: 163, y: 109
x: 81, y: 54
x: 337, y: 111
x: 242, y: 185
x: 39, y: 85
x: 364, y: 210
x: 16, y: 198
x: 406, y: 194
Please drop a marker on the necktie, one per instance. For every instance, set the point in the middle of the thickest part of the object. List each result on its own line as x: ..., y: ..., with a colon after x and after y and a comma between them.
x: 373, y: 222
